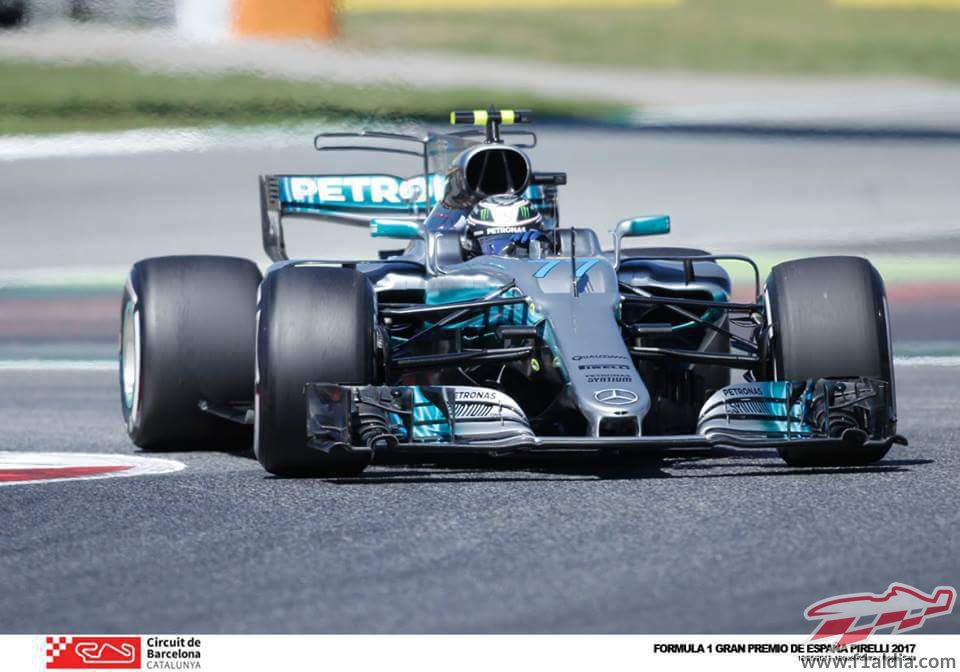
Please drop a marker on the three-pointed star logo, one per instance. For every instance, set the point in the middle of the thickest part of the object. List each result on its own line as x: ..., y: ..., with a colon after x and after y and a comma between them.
x: 615, y: 396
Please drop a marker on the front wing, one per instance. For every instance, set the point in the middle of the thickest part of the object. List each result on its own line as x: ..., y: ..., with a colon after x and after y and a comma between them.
x: 431, y: 420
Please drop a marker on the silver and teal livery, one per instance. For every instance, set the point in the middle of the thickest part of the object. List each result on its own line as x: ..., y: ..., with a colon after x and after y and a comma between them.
x: 560, y: 345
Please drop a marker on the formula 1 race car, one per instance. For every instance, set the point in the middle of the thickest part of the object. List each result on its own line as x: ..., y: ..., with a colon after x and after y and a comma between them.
x: 495, y: 330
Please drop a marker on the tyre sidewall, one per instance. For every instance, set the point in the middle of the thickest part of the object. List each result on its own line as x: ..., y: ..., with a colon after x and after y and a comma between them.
x: 313, y: 325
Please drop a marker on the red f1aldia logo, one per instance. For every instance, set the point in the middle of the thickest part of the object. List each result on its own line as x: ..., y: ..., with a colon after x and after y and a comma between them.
x: 856, y: 616
x: 93, y: 653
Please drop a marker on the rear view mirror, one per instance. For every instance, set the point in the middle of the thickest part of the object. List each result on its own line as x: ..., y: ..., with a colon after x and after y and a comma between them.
x: 402, y: 229
x: 651, y: 225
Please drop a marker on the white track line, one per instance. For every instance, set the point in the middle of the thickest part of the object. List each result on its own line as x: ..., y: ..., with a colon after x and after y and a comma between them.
x: 156, y: 140
x: 63, y: 277
x: 927, y: 360
x: 66, y: 145
x: 58, y: 365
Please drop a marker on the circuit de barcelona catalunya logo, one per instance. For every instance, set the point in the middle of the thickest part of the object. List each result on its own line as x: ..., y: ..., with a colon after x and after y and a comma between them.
x: 93, y: 653
x: 855, y: 617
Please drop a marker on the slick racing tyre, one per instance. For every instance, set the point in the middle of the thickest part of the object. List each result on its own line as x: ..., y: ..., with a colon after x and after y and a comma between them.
x: 829, y: 320
x: 187, y: 335
x: 314, y: 325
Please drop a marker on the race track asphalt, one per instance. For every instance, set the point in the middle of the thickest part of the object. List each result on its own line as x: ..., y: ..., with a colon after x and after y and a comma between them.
x: 715, y: 544
x: 733, y: 543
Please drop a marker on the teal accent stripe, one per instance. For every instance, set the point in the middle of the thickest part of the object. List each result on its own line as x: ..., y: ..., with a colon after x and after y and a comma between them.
x: 582, y: 269
x: 544, y: 270
x: 429, y: 423
x: 586, y: 266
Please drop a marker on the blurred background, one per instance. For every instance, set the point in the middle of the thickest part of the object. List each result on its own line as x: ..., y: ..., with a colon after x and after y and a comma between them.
x: 777, y: 128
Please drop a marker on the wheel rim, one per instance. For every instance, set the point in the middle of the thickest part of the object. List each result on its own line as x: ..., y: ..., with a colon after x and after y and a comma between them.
x: 129, y: 358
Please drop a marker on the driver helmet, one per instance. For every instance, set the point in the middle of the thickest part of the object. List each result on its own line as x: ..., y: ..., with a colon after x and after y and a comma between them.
x: 495, y: 222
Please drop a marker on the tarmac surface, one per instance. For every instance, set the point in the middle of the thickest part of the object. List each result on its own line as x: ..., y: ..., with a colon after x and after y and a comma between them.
x: 732, y: 543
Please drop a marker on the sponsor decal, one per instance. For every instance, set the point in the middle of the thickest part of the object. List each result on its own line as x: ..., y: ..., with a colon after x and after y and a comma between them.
x: 856, y: 616
x: 359, y: 190
x: 494, y: 230
x: 29, y: 468
x: 480, y: 403
x: 580, y: 358
x: 743, y: 391
x: 591, y: 367
x: 93, y: 653
x: 609, y: 378
x: 477, y: 395
x: 615, y: 397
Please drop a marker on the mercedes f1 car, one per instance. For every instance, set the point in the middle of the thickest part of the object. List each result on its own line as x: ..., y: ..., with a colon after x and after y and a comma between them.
x: 495, y: 330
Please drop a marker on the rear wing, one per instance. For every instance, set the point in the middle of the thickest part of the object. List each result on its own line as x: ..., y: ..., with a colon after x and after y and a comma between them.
x: 344, y: 199
x: 356, y: 199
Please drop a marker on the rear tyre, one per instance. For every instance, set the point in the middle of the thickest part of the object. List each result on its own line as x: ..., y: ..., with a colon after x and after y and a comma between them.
x: 187, y: 334
x: 829, y: 319
x: 314, y: 325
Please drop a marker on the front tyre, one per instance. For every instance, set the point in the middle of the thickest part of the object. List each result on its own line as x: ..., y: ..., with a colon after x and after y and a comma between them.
x: 315, y: 325
x: 829, y: 320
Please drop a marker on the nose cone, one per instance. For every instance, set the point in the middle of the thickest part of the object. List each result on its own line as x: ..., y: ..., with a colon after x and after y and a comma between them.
x: 604, y: 385
x: 607, y: 386
x: 609, y: 406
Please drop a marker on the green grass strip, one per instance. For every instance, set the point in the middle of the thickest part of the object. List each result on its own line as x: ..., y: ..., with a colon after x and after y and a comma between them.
x: 766, y: 36
x: 41, y: 98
